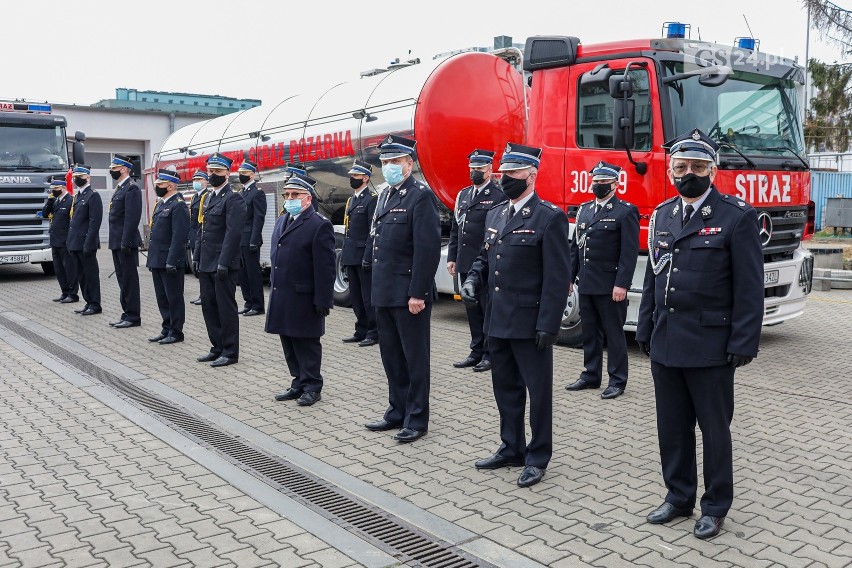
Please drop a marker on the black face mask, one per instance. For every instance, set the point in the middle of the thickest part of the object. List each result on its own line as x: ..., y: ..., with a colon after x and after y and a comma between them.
x: 80, y: 182
x: 601, y: 190
x: 114, y: 174
x: 513, y: 187
x: 477, y: 177
x: 691, y: 185
x: 244, y: 179
x: 56, y: 192
x: 355, y: 183
x: 160, y: 191
x: 216, y: 180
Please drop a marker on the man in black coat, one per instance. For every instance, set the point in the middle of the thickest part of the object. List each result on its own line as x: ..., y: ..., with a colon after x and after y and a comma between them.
x: 524, y: 263
x: 87, y: 212
x: 358, y: 222
x: 125, y: 212
x: 302, y: 277
x: 467, y: 232
x: 217, y: 251
x: 699, y: 320
x: 405, y: 255
x: 251, y: 278
x: 199, y: 186
x: 57, y: 208
x: 167, y: 256
x: 604, y: 251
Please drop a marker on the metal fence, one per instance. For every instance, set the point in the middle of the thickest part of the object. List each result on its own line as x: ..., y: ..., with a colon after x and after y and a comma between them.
x: 828, y: 184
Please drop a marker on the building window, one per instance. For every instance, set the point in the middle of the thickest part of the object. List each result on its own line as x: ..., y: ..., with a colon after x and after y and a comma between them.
x: 594, y: 124
x: 156, y: 100
x: 144, y: 99
x: 230, y: 104
x: 195, y: 103
x: 206, y: 104
x: 220, y: 103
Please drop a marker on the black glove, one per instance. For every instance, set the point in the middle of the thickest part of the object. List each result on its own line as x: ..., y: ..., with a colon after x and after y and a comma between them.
x: 222, y: 272
x: 468, y: 292
x: 195, y: 266
x: 171, y: 269
x: 254, y: 248
x: 125, y: 251
x: 737, y: 361
x: 645, y: 348
x: 88, y: 253
x: 322, y: 311
x: 366, y: 266
x: 543, y: 340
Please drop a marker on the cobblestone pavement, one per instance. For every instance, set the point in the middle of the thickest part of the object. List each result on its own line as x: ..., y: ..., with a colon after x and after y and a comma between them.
x: 792, y: 433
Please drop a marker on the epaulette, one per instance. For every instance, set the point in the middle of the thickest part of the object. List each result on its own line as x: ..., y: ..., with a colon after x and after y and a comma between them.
x: 589, y: 202
x: 626, y: 203
x: 669, y: 200
x: 373, y: 192
x: 735, y: 202
x: 549, y: 205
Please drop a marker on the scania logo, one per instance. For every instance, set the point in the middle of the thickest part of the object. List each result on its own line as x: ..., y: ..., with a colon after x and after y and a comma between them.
x: 15, y: 179
x: 764, y: 223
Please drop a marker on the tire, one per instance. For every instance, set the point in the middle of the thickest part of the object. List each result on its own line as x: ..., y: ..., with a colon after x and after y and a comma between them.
x: 571, y: 328
x: 341, y: 282
x: 47, y: 267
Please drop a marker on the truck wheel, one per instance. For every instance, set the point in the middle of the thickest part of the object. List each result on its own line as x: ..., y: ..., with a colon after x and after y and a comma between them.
x: 47, y: 267
x: 571, y: 328
x: 341, y: 282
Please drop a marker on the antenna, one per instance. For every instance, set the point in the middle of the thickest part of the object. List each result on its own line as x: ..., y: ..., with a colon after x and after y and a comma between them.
x: 751, y: 33
x: 699, y: 34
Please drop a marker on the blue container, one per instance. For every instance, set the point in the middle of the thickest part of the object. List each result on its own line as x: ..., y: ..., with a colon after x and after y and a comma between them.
x: 828, y: 184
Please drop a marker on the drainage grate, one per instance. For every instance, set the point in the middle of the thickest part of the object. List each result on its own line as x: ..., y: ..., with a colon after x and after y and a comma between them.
x: 396, y: 537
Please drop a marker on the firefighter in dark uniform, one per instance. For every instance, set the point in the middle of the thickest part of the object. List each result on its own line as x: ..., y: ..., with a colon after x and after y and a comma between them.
x: 699, y: 320
x: 58, y: 210
x: 467, y: 232
x: 125, y: 212
x: 167, y: 256
x: 604, y: 251
x: 217, y: 254
x: 251, y: 277
x: 405, y: 255
x: 301, y: 288
x: 524, y: 264
x: 199, y: 186
x: 358, y: 221
x: 87, y: 212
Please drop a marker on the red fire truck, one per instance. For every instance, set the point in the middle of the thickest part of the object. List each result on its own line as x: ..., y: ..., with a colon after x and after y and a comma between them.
x: 617, y: 102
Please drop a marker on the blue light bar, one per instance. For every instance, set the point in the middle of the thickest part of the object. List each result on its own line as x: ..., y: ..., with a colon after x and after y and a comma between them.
x: 675, y: 30
x: 44, y: 108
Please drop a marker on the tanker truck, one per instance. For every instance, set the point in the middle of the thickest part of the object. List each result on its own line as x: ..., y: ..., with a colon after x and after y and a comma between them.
x: 617, y: 102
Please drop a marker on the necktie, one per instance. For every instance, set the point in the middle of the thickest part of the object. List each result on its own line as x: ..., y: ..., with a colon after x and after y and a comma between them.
x: 511, y: 212
x: 597, y: 208
x: 687, y: 213
x: 390, y: 191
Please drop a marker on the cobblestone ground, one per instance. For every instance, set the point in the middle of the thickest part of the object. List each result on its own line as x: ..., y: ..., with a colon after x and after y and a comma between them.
x: 792, y: 433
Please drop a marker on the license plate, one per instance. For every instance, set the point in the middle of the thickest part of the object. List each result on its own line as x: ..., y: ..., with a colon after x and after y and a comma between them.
x: 770, y: 277
x: 17, y: 259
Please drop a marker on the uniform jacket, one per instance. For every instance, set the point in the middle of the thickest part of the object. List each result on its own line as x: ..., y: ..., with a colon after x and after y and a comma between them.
x: 86, y: 222
x: 467, y: 230
x: 359, y: 215
x: 255, y: 215
x: 60, y: 208
x: 194, y: 226
x: 406, y: 246
x: 525, y: 265
x: 218, y: 240
x: 125, y: 211
x: 302, y: 276
x: 610, y: 246
x: 706, y: 299
x: 169, y: 232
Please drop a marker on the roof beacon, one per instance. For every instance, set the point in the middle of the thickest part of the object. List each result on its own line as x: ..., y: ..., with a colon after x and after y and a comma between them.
x: 676, y: 30
x: 747, y: 43
x: 20, y: 106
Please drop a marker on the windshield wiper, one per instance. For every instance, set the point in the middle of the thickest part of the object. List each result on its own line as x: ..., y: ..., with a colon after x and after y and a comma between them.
x: 740, y: 154
x: 789, y: 149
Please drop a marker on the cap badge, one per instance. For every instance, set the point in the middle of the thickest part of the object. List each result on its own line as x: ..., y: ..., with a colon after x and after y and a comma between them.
x: 389, y: 139
x: 508, y: 147
x: 696, y: 135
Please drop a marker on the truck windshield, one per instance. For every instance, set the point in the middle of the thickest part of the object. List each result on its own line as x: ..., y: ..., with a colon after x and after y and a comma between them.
x: 757, y: 114
x: 32, y: 148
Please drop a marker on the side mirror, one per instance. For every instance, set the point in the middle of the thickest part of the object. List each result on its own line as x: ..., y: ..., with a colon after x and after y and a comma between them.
x: 623, y: 122
x: 620, y: 86
x: 80, y: 136
x: 78, y: 152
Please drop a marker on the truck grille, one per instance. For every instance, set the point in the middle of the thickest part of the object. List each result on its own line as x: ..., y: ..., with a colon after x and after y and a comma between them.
x: 781, y: 230
x: 20, y: 226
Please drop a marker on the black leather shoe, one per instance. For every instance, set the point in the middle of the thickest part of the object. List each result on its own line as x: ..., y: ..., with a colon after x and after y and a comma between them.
x: 708, y: 527
x: 157, y: 338
x: 207, y: 358
x: 114, y: 323
x: 242, y: 311
x: 224, y: 361
x: 530, y: 476
x: 81, y: 310
x: 60, y: 298
x: 90, y: 311
x: 170, y: 339
x: 253, y: 313
x: 382, y: 425
x: 612, y: 392
x: 125, y: 323
x: 497, y: 461
x: 309, y: 398
x: 353, y: 339
x: 368, y: 342
x: 666, y: 513
x: 407, y: 435
x: 484, y: 365
x: 195, y: 302
x: 582, y: 384
x: 69, y: 300
x: 289, y: 394
x: 468, y: 361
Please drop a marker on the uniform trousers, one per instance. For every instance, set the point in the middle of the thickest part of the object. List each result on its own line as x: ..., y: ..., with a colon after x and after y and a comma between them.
x: 219, y: 307
x: 360, y: 286
x: 476, y: 322
x: 66, y: 271
x: 304, y: 358
x: 168, y: 288
x: 519, y: 366
x: 684, y: 396
x: 127, y: 275
x: 90, y: 278
x: 404, y: 340
x: 251, y: 279
x: 604, y: 319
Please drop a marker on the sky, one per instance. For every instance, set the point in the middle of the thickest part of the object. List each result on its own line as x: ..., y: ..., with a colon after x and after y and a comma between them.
x: 80, y: 52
